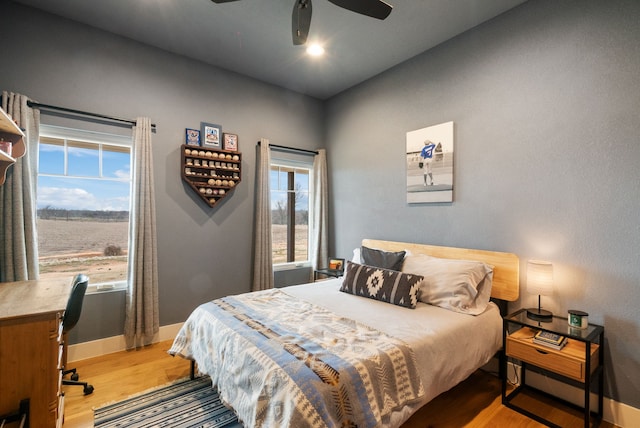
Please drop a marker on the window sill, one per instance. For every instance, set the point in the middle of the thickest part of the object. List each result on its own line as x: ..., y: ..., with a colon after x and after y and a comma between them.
x: 291, y: 266
x: 106, y: 288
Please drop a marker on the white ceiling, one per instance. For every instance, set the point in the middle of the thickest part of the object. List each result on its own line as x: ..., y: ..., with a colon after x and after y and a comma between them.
x: 253, y: 37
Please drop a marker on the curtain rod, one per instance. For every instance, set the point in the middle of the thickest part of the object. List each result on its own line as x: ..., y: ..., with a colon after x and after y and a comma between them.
x: 34, y: 104
x: 292, y: 149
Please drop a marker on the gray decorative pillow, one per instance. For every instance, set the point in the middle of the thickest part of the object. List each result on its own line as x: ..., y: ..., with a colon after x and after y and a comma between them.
x: 382, y: 284
x: 382, y: 259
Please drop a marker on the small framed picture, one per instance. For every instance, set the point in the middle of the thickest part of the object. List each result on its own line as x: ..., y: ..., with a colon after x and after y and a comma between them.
x: 192, y: 137
x: 336, y: 264
x: 211, y: 135
x: 230, y: 142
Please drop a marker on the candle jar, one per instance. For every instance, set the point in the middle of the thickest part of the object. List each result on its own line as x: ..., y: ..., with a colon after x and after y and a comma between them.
x: 578, y: 319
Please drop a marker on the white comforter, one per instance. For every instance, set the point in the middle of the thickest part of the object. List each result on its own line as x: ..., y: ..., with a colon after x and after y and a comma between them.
x: 448, y: 346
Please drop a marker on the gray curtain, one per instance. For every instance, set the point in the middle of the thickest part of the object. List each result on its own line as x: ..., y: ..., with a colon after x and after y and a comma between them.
x: 18, y: 236
x: 142, y: 320
x: 320, y: 210
x: 262, y: 262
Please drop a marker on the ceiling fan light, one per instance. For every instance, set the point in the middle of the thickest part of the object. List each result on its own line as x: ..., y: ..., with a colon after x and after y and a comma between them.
x: 315, y: 50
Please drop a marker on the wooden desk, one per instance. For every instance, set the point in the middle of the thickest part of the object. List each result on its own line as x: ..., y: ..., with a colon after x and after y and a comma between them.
x: 31, y: 348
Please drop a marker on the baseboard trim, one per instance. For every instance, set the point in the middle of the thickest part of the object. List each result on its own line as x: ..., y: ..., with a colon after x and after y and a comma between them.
x: 617, y: 413
x: 109, y: 345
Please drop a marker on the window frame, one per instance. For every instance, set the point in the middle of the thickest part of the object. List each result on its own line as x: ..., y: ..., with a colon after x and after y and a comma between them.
x: 301, y: 162
x: 100, y: 139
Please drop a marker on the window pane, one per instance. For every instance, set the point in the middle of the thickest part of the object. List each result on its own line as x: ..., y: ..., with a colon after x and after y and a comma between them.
x: 83, y: 226
x: 273, y: 179
x: 301, y: 189
x: 83, y: 218
x: 279, y: 209
x: 82, y: 194
x: 116, y: 162
x: 302, y: 242
x: 83, y: 159
x: 302, y: 179
x: 51, y: 156
x: 279, y: 177
x: 290, y: 208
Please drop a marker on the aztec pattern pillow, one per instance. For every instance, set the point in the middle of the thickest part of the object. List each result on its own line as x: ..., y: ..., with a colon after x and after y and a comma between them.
x: 382, y: 284
x: 382, y: 259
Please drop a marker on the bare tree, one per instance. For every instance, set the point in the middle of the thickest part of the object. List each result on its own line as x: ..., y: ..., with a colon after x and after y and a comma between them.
x: 280, y: 213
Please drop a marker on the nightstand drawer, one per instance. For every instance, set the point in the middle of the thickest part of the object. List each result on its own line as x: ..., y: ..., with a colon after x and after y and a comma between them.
x: 570, y: 361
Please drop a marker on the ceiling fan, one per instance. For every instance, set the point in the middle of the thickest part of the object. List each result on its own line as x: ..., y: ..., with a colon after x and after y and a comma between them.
x: 301, y: 18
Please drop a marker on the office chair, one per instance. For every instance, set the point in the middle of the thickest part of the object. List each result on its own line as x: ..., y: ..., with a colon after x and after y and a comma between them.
x: 70, y: 319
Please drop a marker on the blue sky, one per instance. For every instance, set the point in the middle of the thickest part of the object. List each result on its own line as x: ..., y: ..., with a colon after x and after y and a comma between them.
x: 279, y: 182
x: 82, y: 187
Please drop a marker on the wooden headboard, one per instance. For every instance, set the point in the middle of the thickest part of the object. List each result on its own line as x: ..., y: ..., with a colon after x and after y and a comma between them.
x: 506, y: 266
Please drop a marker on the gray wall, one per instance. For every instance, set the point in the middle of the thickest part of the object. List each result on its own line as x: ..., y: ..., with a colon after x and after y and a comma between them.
x: 546, y: 102
x: 203, y: 252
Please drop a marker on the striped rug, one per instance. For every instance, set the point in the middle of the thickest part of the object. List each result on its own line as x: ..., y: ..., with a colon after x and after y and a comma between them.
x: 184, y: 404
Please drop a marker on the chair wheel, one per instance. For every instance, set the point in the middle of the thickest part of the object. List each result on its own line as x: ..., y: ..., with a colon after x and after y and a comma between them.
x: 75, y: 376
x: 88, y: 389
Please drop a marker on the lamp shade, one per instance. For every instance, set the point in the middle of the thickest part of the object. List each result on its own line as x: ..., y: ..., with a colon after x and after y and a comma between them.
x: 539, y: 277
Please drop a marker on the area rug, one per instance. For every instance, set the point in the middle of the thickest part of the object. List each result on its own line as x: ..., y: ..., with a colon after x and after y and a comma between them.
x: 184, y: 404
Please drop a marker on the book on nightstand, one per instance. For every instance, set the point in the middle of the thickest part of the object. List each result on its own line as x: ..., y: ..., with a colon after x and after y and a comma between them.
x: 551, y: 340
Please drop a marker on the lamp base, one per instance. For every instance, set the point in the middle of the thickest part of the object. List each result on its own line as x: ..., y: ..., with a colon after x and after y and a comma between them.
x: 539, y: 314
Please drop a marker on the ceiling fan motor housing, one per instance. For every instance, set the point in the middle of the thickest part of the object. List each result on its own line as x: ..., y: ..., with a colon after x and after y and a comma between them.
x: 301, y: 17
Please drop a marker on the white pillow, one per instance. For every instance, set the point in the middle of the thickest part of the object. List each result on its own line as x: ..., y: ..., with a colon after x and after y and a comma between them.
x: 356, y: 256
x: 458, y: 285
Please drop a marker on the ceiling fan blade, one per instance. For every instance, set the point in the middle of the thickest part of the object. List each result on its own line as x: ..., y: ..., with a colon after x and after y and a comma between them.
x: 223, y: 1
x: 373, y: 8
x: 301, y: 21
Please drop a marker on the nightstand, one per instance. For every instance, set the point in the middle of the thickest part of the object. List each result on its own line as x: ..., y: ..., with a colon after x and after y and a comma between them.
x: 580, y: 363
x: 327, y: 272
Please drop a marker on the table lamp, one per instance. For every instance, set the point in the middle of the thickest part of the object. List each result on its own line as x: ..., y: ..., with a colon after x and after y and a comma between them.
x: 540, y: 282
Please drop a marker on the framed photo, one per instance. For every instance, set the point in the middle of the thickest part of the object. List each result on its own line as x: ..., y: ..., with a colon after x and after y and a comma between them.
x: 336, y: 264
x: 230, y: 142
x: 192, y: 137
x: 430, y: 164
x: 211, y: 135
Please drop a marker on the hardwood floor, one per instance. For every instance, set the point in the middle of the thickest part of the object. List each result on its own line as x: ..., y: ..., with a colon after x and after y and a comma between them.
x: 118, y: 376
x: 474, y: 403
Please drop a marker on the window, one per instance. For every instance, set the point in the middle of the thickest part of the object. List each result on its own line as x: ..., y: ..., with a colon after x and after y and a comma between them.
x: 83, y: 194
x: 290, y: 193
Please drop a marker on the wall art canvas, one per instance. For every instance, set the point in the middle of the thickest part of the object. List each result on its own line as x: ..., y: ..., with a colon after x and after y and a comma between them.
x: 430, y: 164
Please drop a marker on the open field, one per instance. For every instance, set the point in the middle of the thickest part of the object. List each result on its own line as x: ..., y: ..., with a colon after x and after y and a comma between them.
x: 67, y: 247
x: 279, y: 242
x: 62, y: 237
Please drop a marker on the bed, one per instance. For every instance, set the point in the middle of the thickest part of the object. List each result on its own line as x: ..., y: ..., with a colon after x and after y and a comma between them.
x: 321, y: 354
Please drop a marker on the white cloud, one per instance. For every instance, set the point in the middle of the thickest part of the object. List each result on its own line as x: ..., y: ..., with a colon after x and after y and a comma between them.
x: 78, y: 199
x: 122, y: 175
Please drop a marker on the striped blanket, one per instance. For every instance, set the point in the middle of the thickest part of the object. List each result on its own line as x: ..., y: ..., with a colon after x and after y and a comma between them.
x: 280, y: 361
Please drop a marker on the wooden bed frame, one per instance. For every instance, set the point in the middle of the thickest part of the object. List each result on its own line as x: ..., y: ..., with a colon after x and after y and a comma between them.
x: 506, y: 266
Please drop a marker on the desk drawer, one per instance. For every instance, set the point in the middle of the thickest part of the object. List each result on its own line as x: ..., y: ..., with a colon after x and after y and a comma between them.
x: 570, y: 361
